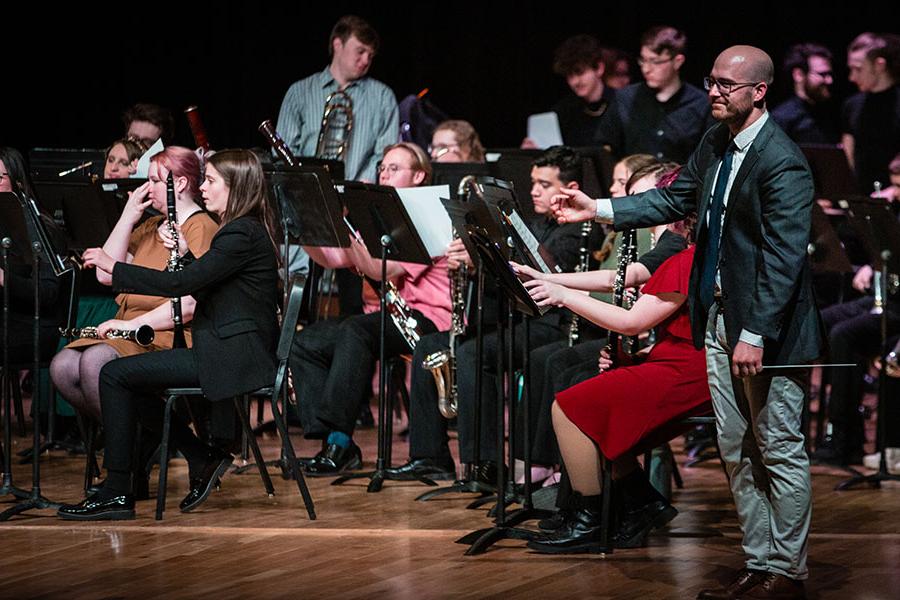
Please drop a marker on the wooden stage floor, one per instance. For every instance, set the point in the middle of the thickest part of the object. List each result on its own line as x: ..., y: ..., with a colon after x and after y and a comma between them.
x: 242, y: 544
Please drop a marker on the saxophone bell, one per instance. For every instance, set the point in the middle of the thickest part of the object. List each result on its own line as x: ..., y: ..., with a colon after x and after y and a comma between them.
x: 439, y: 363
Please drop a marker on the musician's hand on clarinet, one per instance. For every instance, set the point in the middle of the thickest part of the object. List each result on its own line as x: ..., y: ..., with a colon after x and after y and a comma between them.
x: 104, y: 327
x: 573, y: 206
x: 525, y: 273
x: 96, y: 257
x: 545, y: 293
x: 862, y: 281
x: 457, y: 255
x: 138, y: 201
x: 746, y: 360
x: 604, y: 363
x: 168, y: 242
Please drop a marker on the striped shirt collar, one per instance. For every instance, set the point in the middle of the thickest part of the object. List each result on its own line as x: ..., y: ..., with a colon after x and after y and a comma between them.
x: 326, y: 79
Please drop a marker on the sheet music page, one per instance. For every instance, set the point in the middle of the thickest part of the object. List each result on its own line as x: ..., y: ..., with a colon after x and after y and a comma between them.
x: 143, y: 166
x: 432, y: 223
x: 543, y: 130
x: 528, y: 238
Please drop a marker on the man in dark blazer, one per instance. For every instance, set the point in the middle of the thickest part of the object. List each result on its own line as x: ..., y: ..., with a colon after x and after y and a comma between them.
x: 751, y: 304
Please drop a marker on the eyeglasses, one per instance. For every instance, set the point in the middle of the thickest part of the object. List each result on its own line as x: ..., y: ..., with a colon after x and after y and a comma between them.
x: 725, y: 86
x: 2, y: 175
x: 392, y: 169
x: 653, y: 62
x: 438, y: 150
x: 822, y: 74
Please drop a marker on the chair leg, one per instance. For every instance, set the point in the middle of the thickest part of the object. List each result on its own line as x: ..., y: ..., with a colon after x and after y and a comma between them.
x: 260, y: 412
x: 239, y: 407
x: 246, y: 435
x: 288, y: 449
x: 89, y: 431
x: 164, y: 459
x: 605, y: 502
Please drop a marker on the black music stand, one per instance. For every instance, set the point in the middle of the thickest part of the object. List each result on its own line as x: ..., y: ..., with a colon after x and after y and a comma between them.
x: 463, y: 214
x: 388, y: 232
x: 832, y: 176
x: 13, y: 234
x: 876, y: 225
x: 452, y: 173
x: 494, y: 258
x: 826, y: 255
x: 334, y: 168
x: 310, y: 213
x: 42, y: 245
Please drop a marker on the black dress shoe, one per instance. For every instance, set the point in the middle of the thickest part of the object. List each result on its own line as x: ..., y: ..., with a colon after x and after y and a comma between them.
x: 637, y: 524
x: 440, y: 469
x: 99, y: 508
x: 746, y: 580
x: 554, y: 522
x: 579, y: 534
x: 206, y: 478
x: 335, y: 460
x: 485, y: 472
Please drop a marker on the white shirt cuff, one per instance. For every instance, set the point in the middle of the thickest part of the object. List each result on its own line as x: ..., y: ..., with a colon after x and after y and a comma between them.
x: 754, y: 339
x: 604, y: 211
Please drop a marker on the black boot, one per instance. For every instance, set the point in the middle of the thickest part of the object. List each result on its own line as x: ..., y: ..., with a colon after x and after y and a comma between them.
x: 580, y: 533
x: 643, y: 509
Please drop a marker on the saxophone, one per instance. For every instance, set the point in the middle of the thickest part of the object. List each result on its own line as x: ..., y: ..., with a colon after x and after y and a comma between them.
x: 401, y: 315
x: 442, y: 363
x: 142, y: 336
x: 337, y: 123
x: 583, y: 257
x: 174, y: 263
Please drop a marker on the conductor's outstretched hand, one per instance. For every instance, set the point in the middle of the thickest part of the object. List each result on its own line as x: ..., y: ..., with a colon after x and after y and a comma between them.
x: 573, y: 206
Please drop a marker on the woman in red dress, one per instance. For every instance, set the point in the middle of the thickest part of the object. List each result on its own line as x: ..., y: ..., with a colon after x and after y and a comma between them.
x: 625, y: 410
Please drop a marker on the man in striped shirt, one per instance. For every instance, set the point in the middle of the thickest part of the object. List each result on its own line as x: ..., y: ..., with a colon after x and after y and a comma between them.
x: 352, y: 47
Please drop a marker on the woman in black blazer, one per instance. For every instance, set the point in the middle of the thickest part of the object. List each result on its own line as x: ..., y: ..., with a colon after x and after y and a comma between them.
x: 235, y: 334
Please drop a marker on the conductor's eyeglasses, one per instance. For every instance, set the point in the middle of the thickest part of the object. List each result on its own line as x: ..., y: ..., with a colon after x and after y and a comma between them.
x: 725, y: 86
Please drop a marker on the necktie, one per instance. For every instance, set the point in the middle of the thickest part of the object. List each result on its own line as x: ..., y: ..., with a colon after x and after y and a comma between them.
x: 711, y: 254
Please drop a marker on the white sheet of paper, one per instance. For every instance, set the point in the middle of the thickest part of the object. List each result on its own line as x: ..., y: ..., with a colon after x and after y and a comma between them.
x: 143, y: 166
x: 543, y: 130
x: 423, y: 204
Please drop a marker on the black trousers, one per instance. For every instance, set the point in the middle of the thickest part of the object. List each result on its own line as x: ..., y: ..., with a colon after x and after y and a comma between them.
x: 555, y: 367
x: 854, y: 336
x: 333, y: 367
x: 427, y: 427
x: 543, y: 331
x: 130, y: 394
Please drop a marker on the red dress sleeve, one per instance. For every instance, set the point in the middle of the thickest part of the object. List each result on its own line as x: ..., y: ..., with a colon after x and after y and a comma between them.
x: 672, y: 276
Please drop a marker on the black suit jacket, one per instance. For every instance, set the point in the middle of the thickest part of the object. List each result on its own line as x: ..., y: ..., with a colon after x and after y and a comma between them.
x: 235, y: 283
x: 765, y: 276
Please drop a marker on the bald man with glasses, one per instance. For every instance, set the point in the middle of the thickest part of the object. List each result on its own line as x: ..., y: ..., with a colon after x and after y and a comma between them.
x: 751, y: 306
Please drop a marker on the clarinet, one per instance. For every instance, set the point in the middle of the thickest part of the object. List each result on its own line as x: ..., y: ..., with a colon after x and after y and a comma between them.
x: 197, y: 129
x: 174, y: 263
x: 627, y: 253
x: 582, y: 267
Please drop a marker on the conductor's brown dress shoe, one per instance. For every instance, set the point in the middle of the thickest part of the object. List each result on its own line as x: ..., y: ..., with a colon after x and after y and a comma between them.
x: 746, y: 579
x: 779, y: 587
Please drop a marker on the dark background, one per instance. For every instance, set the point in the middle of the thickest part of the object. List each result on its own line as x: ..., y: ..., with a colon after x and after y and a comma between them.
x: 69, y: 73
